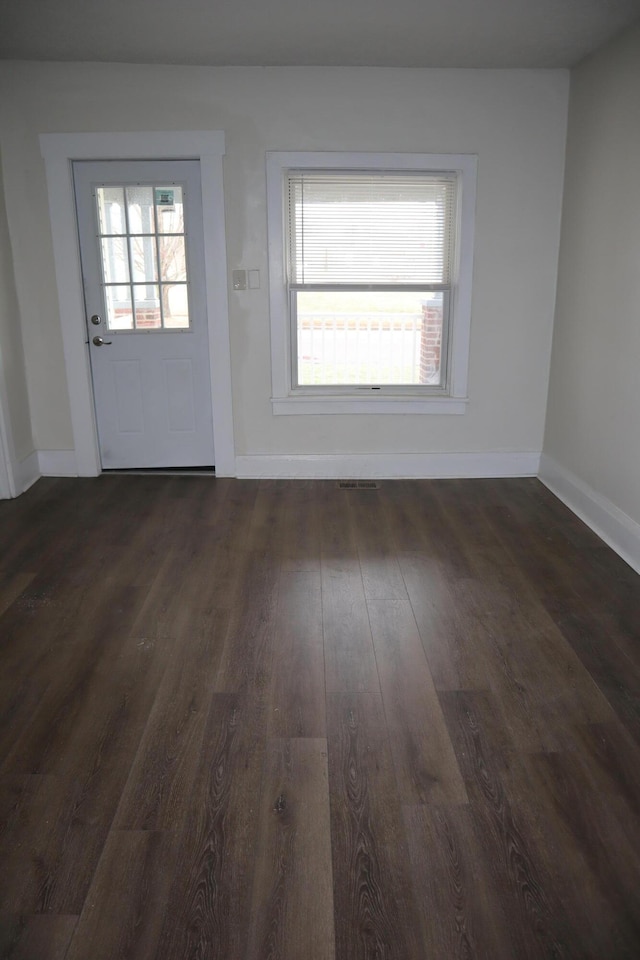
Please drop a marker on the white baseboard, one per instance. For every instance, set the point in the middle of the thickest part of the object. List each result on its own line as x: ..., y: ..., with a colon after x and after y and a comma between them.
x: 57, y: 463
x: 27, y: 471
x: 612, y: 525
x: 388, y: 466
x: 43, y: 463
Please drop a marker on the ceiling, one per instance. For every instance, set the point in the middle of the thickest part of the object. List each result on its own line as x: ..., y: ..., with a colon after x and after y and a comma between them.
x: 412, y: 33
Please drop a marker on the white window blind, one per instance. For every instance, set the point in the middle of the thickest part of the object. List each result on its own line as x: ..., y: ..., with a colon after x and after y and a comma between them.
x: 382, y: 229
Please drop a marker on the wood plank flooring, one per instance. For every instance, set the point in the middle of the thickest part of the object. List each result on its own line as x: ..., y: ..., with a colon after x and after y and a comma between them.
x: 280, y: 720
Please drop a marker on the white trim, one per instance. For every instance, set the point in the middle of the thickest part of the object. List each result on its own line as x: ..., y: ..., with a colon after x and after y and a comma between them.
x: 7, y: 472
x: 389, y: 465
x: 57, y: 463
x: 59, y: 151
x: 8, y: 480
x: 611, y: 524
x: 44, y: 463
x: 460, y: 307
x: 215, y: 249
x: 283, y: 406
x: 7, y: 483
x: 28, y: 471
x: 146, y: 145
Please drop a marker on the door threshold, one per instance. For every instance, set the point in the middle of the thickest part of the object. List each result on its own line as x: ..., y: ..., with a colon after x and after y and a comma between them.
x: 162, y: 471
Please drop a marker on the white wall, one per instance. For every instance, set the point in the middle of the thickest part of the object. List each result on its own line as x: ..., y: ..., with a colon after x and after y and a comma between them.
x: 592, y: 441
x: 514, y: 120
x: 16, y: 422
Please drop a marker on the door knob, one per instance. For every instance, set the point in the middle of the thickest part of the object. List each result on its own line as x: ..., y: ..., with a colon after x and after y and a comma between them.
x: 99, y: 342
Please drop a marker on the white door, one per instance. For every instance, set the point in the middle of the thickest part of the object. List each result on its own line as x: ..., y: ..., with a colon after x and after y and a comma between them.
x: 141, y: 246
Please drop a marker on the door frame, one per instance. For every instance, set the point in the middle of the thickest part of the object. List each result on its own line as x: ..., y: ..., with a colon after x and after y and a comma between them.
x: 59, y: 150
x: 7, y: 476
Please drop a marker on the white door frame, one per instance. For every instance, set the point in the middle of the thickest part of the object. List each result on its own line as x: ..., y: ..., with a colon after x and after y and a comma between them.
x: 59, y: 151
x: 7, y: 475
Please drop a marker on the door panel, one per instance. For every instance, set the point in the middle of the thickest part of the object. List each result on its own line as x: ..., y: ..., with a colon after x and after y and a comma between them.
x: 127, y: 389
x: 180, y: 402
x: 140, y: 229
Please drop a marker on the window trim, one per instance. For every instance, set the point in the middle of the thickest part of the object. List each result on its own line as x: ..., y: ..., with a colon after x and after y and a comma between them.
x: 287, y: 400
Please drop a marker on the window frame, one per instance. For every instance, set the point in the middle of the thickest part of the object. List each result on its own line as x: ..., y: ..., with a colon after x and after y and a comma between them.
x: 452, y: 399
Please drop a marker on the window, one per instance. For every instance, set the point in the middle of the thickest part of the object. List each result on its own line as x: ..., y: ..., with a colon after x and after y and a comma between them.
x: 370, y: 266
x: 144, y: 267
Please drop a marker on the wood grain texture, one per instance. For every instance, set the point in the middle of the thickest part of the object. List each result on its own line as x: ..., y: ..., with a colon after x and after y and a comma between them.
x: 246, y: 661
x: 575, y: 591
x: 376, y: 913
x: 607, y: 753
x: 301, y: 528
x: 127, y: 900
x: 35, y: 937
x: 595, y: 880
x: 11, y: 586
x: 459, y: 895
x: 292, y: 901
x: 381, y: 575
x: 425, y: 763
x: 211, y: 886
x: 452, y: 638
x: 542, y: 927
x: 245, y: 720
x: 82, y: 743
x: 348, y: 647
x: 157, y: 793
x: 297, y: 697
x: 37, y: 838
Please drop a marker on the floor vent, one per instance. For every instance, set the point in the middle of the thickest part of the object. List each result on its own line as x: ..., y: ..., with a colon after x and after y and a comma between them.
x: 358, y: 485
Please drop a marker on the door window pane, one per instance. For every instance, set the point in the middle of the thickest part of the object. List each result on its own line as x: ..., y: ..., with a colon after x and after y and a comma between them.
x: 119, y: 312
x: 146, y: 300
x: 175, y: 306
x: 143, y: 259
x: 173, y: 262
x: 170, y: 209
x: 140, y: 209
x: 111, y: 210
x: 115, y: 262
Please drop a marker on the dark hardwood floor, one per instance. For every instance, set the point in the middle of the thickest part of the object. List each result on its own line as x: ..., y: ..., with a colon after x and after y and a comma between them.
x: 259, y: 720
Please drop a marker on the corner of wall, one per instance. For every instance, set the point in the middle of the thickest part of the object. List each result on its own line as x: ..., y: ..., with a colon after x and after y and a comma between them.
x: 26, y: 473
x: 610, y: 523
x: 15, y: 418
x: 57, y: 463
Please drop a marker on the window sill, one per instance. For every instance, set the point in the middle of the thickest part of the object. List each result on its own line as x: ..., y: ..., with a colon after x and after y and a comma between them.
x: 314, y: 405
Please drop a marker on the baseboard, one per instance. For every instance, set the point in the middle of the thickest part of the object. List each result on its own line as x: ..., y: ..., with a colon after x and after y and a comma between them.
x: 57, y: 463
x: 43, y: 463
x: 27, y: 471
x: 611, y: 524
x: 388, y: 466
